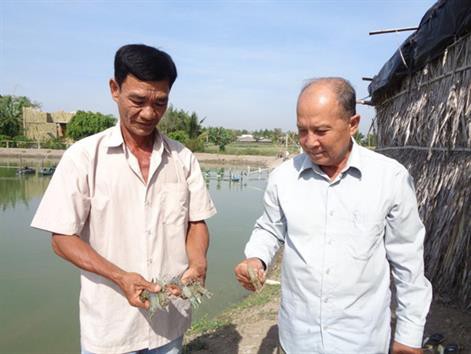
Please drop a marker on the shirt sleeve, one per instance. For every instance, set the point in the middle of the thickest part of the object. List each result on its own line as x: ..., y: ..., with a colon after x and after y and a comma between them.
x: 65, y: 205
x: 201, y: 206
x: 404, y: 241
x: 270, y: 229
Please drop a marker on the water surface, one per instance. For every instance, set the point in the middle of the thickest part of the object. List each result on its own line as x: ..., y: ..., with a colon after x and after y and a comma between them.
x: 39, y: 291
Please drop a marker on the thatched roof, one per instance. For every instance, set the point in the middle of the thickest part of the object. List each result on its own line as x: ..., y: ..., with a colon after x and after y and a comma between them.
x: 424, y: 121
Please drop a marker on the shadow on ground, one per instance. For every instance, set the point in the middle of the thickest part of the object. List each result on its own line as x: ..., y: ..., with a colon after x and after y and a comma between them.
x: 227, y: 340
x: 224, y: 340
x: 270, y: 342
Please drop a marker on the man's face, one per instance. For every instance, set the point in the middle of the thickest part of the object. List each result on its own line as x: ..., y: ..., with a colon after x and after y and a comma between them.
x: 324, y: 131
x: 141, y: 104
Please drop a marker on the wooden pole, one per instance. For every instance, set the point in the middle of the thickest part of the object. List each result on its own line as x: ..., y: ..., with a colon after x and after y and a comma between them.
x: 394, y: 30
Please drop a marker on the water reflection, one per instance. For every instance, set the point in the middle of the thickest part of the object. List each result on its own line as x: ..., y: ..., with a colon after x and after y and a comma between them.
x: 14, y: 189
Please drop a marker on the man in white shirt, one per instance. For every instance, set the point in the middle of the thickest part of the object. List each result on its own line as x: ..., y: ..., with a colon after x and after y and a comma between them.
x: 348, y: 218
x: 128, y: 205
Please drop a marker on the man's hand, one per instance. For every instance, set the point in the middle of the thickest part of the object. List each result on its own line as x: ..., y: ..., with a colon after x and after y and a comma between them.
x: 398, y: 348
x: 132, y: 285
x: 242, y: 275
x: 195, y: 273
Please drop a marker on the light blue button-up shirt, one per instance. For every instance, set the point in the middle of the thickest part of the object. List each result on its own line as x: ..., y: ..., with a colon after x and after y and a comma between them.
x: 342, y: 238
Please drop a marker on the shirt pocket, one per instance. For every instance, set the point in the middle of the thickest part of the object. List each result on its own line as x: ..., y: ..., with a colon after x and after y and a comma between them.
x: 365, y: 237
x: 174, y: 203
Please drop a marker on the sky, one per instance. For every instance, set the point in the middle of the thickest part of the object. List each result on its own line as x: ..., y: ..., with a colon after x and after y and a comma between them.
x: 241, y: 64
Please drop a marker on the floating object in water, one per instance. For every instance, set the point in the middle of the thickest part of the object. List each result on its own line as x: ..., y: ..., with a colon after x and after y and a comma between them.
x: 25, y: 171
x: 47, y: 171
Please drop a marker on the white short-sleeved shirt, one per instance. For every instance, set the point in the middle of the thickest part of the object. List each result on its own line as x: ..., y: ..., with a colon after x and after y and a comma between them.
x: 98, y: 193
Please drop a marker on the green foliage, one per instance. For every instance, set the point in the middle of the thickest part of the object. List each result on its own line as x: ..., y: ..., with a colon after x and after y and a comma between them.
x: 369, y: 140
x: 220, y: 137
x: 261, y: 149
x: 21, y: 141
x: 195, y: 144
x: 359, y: 138
x: 54, y: 143
x: 84, y: 124
x: 11, y: 113
x: 175, y: 120
x: 179, y: 135
x: 183, y: 127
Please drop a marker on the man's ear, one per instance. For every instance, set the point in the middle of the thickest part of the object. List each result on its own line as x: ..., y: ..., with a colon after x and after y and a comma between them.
x: 354, y: 124
x: 115, y: 90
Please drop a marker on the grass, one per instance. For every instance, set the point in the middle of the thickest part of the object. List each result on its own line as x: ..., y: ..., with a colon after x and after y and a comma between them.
x: 261, y: 149
x: 206, y: 325
x: 252, y: 301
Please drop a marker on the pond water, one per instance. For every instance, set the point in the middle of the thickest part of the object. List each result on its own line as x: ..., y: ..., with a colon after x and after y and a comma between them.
x: 39, y: 291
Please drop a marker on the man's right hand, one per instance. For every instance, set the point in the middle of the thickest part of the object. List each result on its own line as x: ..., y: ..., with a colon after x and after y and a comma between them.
x: 132, y: 285
x: 242, y: 275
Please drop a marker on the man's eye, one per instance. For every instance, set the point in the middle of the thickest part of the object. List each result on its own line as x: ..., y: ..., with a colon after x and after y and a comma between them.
x: 137, y: 102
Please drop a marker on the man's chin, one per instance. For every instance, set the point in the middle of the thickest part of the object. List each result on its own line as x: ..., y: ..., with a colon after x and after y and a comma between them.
x: 318, y: 159
x: 143, y: 132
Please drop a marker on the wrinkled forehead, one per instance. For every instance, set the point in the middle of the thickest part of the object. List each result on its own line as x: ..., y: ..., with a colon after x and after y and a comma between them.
x: 145, y: 88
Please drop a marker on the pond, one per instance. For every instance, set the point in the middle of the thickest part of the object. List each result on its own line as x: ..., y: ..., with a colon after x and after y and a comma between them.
x: 39, y: 291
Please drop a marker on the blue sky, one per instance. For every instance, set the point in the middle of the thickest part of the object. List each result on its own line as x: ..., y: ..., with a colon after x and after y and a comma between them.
x: 241, y: 64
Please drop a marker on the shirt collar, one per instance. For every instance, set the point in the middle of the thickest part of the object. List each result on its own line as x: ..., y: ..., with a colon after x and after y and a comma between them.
x: 353, y: 163
x: 115, y: 139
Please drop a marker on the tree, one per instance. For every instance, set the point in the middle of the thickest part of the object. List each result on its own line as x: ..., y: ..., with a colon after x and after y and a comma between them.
x: 175, y: 120
x: 359, y: 138
x: 179, y: 135
x: 220, y: 137
x: 84, y: 124
x: 11, y: 113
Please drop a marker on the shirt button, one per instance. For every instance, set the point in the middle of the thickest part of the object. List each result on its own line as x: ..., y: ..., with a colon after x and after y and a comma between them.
x: 326, y: 300
x: 149, y: 261
x: 148, y: 232
x: 329, y: 241
x: 147, y: 203
x: 331, y: 213
x: 327, y: 271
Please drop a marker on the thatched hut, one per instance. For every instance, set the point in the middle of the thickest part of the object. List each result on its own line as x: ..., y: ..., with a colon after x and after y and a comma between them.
x: 422, y: 97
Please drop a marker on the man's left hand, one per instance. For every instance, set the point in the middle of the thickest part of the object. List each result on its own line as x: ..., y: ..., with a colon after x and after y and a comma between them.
x: 194, y: 273
x: 398, y: 348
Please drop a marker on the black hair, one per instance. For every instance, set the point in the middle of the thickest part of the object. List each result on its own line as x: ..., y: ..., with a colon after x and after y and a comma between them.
x: 343, y: 89
x: 145, y: 63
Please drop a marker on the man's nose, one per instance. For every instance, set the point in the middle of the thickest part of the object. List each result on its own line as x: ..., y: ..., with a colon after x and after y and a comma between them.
x: 148, y: 113
x: 312, y: 141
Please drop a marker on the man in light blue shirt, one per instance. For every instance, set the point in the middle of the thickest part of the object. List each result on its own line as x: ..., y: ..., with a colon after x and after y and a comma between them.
x: 348, y: 218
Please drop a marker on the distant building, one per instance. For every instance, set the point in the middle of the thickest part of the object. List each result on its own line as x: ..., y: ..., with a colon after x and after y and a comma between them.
x: 39, y: 125
x: 264, y: 141
x: 246, y: 138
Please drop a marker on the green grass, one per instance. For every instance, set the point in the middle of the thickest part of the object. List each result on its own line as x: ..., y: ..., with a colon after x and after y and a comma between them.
x: 205, y: 325
x: 250, y: 149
